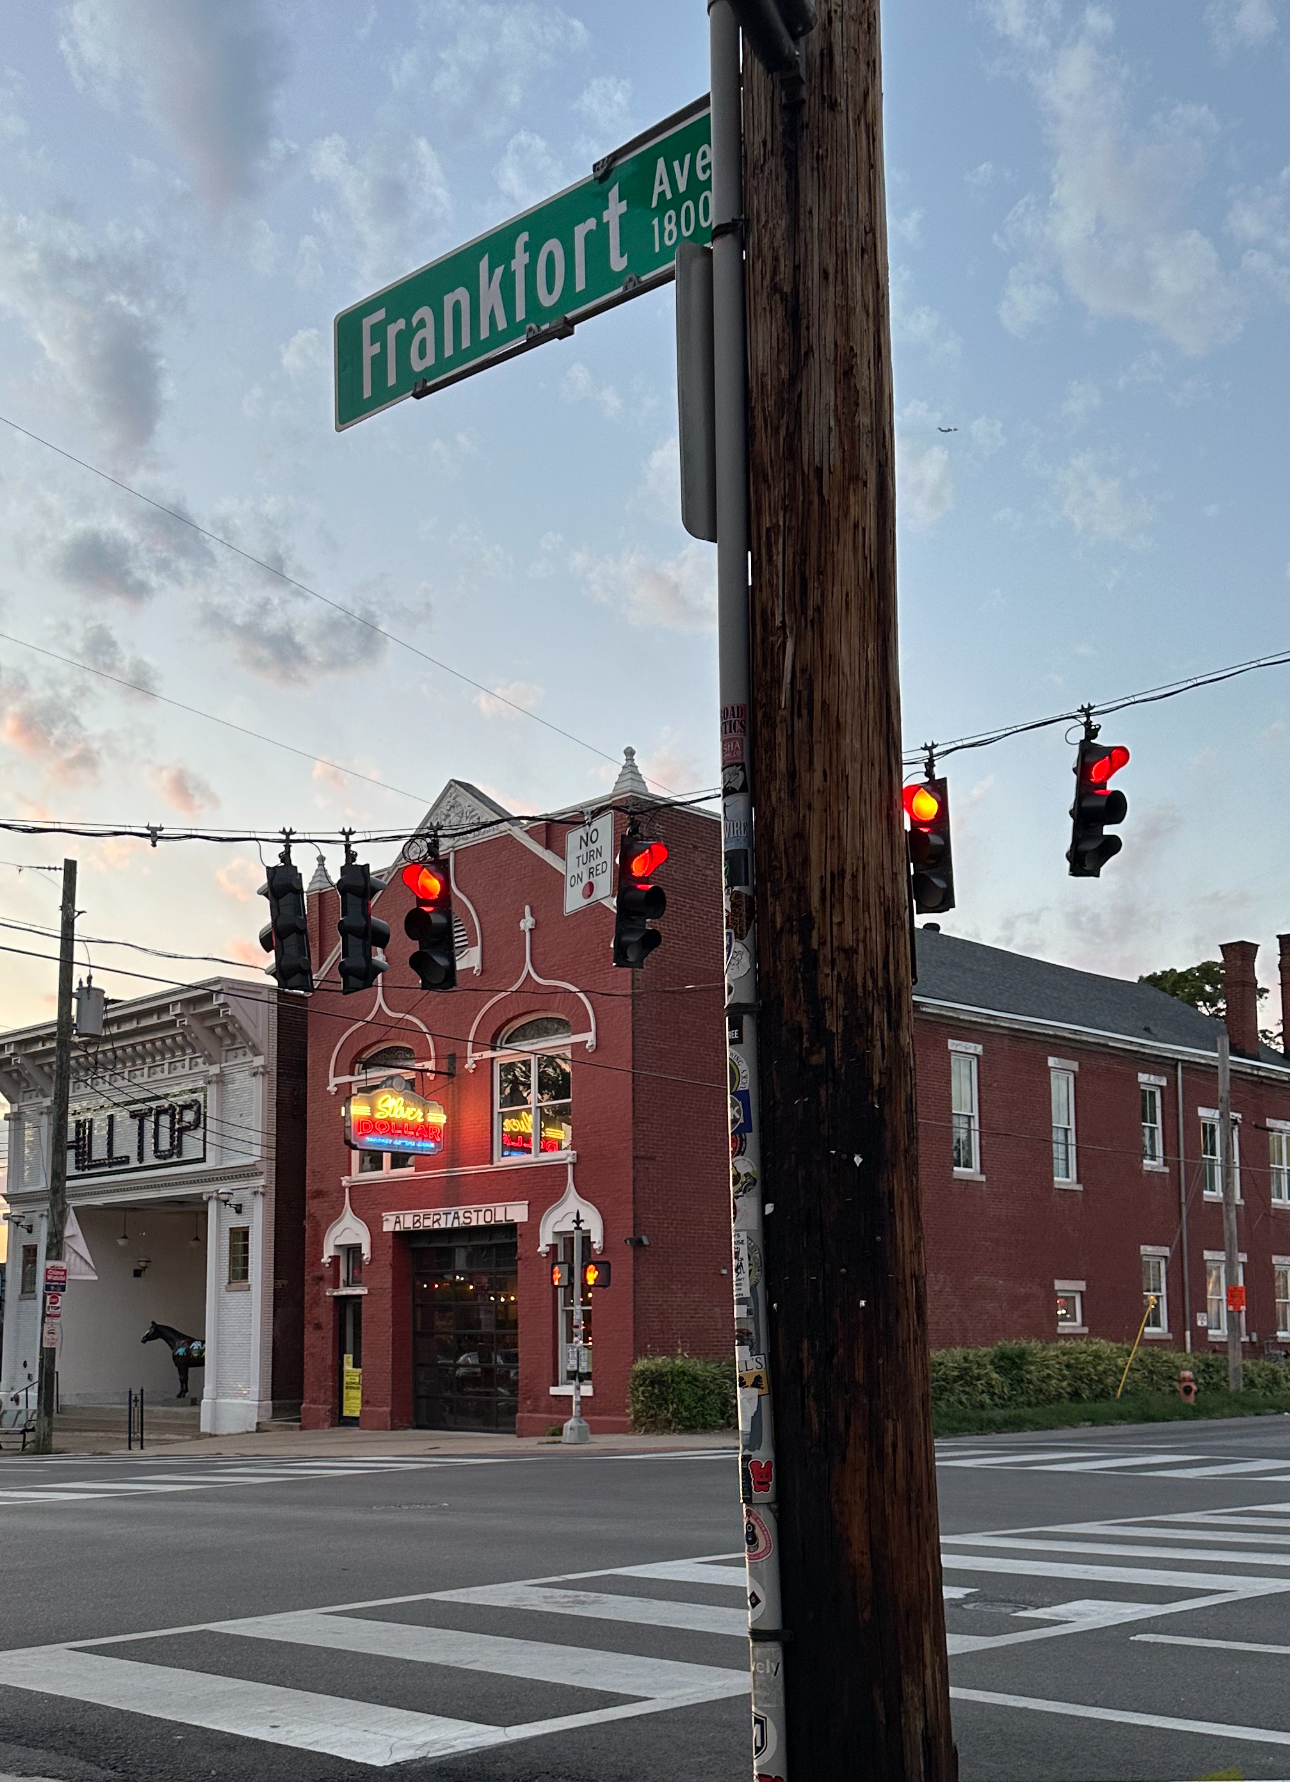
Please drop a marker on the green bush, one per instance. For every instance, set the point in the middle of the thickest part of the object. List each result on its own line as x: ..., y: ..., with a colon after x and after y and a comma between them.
x: 1082, y: 1371
x: 677, y: 1392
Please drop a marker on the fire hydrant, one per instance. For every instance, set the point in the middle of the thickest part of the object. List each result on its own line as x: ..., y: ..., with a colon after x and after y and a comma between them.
x: 1187, y: 1386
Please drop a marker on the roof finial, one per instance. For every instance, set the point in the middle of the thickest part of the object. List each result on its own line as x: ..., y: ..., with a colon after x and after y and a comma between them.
x: 630, y: 781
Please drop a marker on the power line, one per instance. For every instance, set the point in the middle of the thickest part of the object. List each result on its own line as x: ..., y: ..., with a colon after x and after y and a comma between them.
x: 304, y: 588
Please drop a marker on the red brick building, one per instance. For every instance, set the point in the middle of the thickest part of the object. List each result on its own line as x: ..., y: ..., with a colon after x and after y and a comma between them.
x: 564, y: 1087
x: 1068, y: 1144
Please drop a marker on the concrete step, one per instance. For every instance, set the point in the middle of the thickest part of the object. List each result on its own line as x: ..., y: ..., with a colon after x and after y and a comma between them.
x: 169, y: 1418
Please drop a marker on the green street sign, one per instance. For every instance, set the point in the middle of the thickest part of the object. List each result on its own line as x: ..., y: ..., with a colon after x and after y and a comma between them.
x: 592, y: 246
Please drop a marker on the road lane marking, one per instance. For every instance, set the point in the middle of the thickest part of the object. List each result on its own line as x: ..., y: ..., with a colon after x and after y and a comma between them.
x: 1221, y: 1645
x: 684, y: 1571
x: 1256, y: 1735
x: 647, y: 1611
x: 1112, y: 1574
x: 1013, y: 1543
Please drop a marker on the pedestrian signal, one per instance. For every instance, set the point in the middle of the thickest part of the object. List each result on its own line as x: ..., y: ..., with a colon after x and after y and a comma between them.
x: 596, y: 1274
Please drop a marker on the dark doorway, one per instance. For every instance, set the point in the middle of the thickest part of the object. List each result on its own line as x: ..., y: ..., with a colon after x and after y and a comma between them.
x: 465, y: 1332
x: 349, y: 1326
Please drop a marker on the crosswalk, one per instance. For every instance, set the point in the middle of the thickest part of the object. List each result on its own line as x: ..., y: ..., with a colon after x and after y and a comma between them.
x: 1148, y: 1461
x: 448, y: 1672
x: 138, y: 1481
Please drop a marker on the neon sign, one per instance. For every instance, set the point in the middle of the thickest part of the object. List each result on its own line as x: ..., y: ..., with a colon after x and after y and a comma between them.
x: 394, y: 1120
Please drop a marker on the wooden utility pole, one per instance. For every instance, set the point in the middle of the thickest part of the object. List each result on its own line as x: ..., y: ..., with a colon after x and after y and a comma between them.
x: 866, y: 1685
x: 1233, y: 1315
x: 57, y: 1216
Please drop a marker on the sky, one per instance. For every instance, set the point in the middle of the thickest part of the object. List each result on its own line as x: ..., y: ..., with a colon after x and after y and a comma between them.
x: 1090, y: 259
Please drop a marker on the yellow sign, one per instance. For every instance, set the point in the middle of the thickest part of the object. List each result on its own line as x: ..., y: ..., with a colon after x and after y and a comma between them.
x: 351, y: 1389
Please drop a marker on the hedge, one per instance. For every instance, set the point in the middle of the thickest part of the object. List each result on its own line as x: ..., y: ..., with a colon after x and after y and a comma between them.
x: 674, y: 1392
x: 678, y: 1392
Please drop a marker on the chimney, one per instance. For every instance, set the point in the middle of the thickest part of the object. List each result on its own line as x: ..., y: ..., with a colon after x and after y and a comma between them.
x: 1283, y: 942
x: 1242, y: 993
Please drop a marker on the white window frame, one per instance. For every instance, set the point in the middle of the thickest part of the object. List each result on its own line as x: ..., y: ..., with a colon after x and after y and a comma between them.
x: 1279, y: 1173
x: 1281, y: 1293
x: 1155, y: 1086
x: 545, y: 1045
x: 1064, y: 1073
x: 1159, y: 1255
x: 1072, y: 1290
x: 964, y: 1060
x: 1209, y: 1117
x: 1217, y: 1259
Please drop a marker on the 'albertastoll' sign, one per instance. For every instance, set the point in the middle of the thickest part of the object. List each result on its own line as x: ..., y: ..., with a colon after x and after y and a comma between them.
x: 498, y: 1212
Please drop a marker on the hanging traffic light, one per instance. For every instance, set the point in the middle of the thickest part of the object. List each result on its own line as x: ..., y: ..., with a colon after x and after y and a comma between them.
x: 596, y: 1274
x: 429, y: 923
x: 286, y: 934
x: 361, y: 933
x: 639, y: 902
x: 1096, y: 805
x: 931, y: 861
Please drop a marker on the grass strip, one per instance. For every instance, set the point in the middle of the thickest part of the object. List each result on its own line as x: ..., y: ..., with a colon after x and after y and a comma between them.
x: 1143, y: 1407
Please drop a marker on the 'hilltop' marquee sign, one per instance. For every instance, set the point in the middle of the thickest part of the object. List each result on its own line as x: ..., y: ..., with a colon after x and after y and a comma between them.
x: 394, y: 1120
x: 132, y: 1136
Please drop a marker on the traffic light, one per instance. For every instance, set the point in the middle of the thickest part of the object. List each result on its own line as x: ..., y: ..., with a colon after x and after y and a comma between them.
x: 429, y: 923
x: 361, y: 933
x: 596, y: 1274
x: 1095, y: 806
x: 931, y: 860
x: 561, y: 1274
x: 772, y: 28
x: 639, y: 902
x: 286, y: 934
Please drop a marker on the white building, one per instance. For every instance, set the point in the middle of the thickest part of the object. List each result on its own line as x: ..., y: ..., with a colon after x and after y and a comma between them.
x: 185, y: 1177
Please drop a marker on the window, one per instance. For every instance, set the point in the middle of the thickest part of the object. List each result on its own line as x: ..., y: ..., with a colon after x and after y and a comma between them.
x: 964, y: 1114
x: 351, y: 1265
x: 1281, y: 1292
x: 388, y: 1068
x: 1070, y: 1305
x: 1153, y: 1284
x: 239, y: 1255
x: 1153, y: 1145
x: 28, y: 1287
x: 1210, y: 1159
x: 1063, y: 1095
x: 534, y: 1091
x: 1279, y: 1161
x: 1216, y: 1293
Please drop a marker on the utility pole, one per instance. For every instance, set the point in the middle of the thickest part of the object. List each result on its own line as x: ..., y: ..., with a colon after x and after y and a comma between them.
x: 1231, y: 1244
x: 57, y: 1218
x: 865, y: 1677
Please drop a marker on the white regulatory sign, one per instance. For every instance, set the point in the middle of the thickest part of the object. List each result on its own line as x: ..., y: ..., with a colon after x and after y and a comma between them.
x: 589, y: 864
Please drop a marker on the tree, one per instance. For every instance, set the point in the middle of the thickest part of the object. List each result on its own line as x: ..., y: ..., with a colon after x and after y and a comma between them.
x: 1202, y: 986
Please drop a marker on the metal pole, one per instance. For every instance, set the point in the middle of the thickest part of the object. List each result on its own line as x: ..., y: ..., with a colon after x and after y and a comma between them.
x: 575, y: 1430
x: 758, y: 1486
x: 1231, y: 1246
x: 1182, y: 1211
x: 57, y: 1220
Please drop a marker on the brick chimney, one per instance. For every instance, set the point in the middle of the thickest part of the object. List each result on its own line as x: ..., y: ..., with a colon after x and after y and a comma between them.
x: 1283, y: 942
x: 1242, y: 993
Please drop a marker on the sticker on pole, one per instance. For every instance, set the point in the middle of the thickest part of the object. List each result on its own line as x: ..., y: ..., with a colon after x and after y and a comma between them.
x: 589, y: 864
x: 758, y: 1543
x: 55, y: 1277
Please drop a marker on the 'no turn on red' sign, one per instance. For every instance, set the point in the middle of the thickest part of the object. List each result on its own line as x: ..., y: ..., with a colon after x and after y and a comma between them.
x: 589, y: 864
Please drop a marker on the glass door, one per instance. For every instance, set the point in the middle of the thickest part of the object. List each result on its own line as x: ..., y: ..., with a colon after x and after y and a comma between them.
x: 465, y: 1334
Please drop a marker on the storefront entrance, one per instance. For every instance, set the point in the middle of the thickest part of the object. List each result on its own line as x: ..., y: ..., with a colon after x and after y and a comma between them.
x: 465, y: 1332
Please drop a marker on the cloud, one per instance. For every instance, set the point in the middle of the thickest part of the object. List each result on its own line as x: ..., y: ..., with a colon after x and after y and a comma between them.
x: 909, y: 226
x: 527, y: 171
x: 578, y: 385
x: 919, y: 326
x: 477, y: 59
x: 100, y: 648
x: 183, y: 790
x: 102, y: 560
x: 95, y: 309
x: 679, y: 594
x: 130, y: 559
x: 287, y: 639
x: 306, y: 354
x: 987, y: 435
x: 240, y: 879
x: 389, y: 201
x: 1240, y: 24
x: 204, y: 72
x: 606, y: 104
x: 1114, y: 228
x: 503, y: 701
x: 1098, y: 504
x: 924, y: 483
x: 1081, y: 400
x: 40, y: 718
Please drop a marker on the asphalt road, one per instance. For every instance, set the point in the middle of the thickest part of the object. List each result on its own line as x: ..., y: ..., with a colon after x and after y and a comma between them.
x: 1119, y: 1607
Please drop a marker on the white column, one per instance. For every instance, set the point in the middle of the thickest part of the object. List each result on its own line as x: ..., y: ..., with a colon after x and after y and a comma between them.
x: 214, y: 1279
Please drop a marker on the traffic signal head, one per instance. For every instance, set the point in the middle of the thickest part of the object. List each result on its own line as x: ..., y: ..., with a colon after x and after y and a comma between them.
x: 429, y: 923
x: 286, y: 935
x: 1096, y: 805
x: 639, y: 902
x: 596, y: 1274
x: 561, y: 1274
x: 931, y: 860
x: 361, y: 933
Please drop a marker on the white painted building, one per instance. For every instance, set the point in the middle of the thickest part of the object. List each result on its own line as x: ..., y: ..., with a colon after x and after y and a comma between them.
x: 185, y: 1179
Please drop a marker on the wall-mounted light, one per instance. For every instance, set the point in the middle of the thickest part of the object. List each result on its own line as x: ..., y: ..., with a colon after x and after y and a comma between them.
x: 124, y: 1238
x: 142, y: 1265
x: 641, y: 1243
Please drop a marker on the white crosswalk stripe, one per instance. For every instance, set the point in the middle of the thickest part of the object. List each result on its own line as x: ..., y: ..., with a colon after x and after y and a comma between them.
x: 215, y: 1477
x: 1145, y: 1462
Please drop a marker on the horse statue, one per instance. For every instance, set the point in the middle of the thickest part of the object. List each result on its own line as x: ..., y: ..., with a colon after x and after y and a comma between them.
x: 187, y: 1351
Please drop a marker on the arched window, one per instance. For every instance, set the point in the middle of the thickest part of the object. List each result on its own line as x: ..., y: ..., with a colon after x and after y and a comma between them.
x: 390, y: 1065
x: 534, y: 1090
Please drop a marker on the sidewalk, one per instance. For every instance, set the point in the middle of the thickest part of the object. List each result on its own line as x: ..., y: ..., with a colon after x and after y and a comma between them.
x: 287, y: 1443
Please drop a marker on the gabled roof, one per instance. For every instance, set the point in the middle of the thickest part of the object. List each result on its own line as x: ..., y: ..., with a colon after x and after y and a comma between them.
x: 966, y: 974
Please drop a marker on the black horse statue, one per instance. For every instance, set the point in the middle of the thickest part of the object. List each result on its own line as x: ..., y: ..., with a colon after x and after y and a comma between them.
x: 187, y: 1351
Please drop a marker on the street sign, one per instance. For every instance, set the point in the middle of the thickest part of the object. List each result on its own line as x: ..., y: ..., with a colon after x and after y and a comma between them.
x: 55, y: 1277
x: 588, y: 864
x: 588, y: 248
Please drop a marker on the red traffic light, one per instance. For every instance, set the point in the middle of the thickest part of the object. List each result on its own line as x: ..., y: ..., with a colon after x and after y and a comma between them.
x: 651, y: 856
x: 922, y: 806
x: 426, y: 885
x: 1101, y: 769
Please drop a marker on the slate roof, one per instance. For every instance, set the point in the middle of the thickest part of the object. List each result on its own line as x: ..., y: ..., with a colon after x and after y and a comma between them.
x: 964, y: 972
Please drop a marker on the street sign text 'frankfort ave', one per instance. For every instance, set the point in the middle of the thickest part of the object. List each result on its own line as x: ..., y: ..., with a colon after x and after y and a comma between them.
x: 586, y: 249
